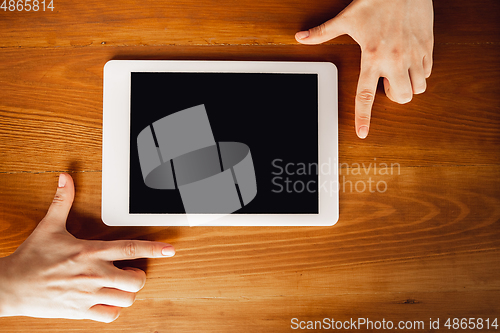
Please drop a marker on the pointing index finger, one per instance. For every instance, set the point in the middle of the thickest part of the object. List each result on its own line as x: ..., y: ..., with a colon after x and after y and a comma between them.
x: 365, y: 96
x: 133, y: 249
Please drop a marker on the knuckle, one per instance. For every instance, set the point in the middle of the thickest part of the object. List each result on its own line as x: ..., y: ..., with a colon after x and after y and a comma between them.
x: 137, y: 281
x: 152, y: 250
x: 86, y: 278
x: 397, y: 53
x: 130, y: 299
x: 113, y: 279
x: 365, y: 97
x: 370, y: 51
x: 403, y: 97
x: 59, y: 198
x: 320, y: 30
x: 78, y: 253
x: 112, y: 315
x: 399, y: 60
x: 364, y: 118
x: 419, y: 89
x: 136, y: 286
x: 428, y: 69
x: 141, y: 280
x: 81, y: 257
x: 87, y: 250
x: 130, y: 249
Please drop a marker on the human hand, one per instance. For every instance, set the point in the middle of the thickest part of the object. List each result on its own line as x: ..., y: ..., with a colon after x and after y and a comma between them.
x: 55, y: 275
x: 396, y: 40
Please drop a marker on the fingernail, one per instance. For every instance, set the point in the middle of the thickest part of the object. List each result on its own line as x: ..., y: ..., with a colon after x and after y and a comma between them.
x: 168, y: 251
x: 362, y: 131
x: 62, y: 180
x: 302, y: 34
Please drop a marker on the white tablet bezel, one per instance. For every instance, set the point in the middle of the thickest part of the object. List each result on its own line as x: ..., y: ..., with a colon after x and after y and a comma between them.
x: 116, y: 144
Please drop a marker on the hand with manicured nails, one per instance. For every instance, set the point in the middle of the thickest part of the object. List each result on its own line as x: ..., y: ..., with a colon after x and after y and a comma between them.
x: 55, y: 275
x: 396, y: 40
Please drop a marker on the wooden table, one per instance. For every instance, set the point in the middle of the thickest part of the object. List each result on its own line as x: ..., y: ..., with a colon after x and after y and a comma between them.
x: 428, y: 247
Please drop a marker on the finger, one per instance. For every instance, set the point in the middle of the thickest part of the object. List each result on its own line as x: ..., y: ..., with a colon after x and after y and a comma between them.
x: 365, y: 95
x: 133, y: 249
x: 115, y: 297
x: 61, y: 205
x: 323, y: 32
x: 398, y: 88
x: 427, y: 63
x: 417, y: 78
x: 103, y: 313
x: 125, y: 279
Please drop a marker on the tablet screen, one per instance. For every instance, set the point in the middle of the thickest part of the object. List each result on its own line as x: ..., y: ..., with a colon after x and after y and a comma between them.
x: 273, y: 118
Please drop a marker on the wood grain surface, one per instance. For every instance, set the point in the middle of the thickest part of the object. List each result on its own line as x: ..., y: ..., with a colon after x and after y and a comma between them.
x: 426, y: 247
x: 214, y: 22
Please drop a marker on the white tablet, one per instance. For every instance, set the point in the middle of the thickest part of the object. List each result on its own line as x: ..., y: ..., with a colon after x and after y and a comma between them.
x: 220, y: 143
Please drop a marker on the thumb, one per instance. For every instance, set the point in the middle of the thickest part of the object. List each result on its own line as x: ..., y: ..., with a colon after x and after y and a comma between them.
x: 322, y: 33
x: 61, y: 205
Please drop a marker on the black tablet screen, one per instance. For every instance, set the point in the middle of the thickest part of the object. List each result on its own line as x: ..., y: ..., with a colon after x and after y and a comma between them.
x: 271, y: 117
